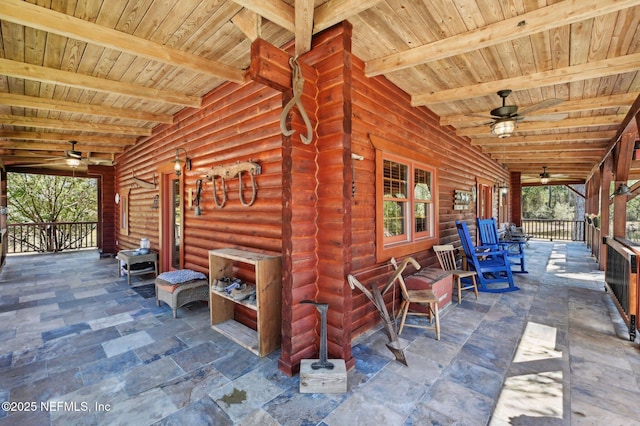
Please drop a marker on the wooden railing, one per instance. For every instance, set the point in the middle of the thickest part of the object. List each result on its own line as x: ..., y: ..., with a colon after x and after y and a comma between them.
x: 50, y: 236
x: 621, y: 276
x: 593, y: 239
x: 555, y: 229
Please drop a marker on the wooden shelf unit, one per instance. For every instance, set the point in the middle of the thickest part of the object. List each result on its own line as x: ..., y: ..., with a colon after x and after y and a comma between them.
x: 268, y: 276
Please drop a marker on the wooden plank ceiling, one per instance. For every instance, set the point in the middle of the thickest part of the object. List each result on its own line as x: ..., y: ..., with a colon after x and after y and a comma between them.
x: 104, y: 72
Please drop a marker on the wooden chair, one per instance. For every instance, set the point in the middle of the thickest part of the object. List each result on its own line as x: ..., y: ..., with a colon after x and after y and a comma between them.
x: 447, y: 259
x: 491, y: 264
x: 426, y: 298
x: 489, y: 236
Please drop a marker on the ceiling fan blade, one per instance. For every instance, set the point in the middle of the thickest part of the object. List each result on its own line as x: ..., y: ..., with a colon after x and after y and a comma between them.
x: 545, y: 117
x: 99, y: 161
x: 548, y: 103
x: 485, y: 116
x: 43, y: 164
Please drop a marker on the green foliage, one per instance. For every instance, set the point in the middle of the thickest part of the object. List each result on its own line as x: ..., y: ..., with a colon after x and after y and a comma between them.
x: 552, y: 202
x: 41, y: 198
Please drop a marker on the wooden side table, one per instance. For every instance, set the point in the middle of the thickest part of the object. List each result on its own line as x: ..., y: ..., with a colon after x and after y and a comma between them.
x: 132, y: 257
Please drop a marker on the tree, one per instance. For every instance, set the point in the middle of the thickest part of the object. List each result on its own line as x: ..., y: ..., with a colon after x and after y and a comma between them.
x: 552, y: 202
x: 47, y: 200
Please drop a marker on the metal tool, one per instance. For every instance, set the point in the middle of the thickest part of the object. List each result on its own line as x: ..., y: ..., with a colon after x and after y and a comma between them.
x: 323, y: 362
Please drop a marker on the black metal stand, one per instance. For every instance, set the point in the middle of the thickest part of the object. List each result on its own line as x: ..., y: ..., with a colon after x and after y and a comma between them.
x: 323, y: 362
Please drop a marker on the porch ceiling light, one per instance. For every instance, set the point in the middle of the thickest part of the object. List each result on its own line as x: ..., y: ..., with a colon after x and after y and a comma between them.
x: 544, y: 176
x: 503, y: 128
x: 177, y: 166
x: 73, y: 162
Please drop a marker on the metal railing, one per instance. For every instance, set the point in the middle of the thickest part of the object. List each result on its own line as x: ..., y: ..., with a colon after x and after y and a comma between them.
x: 621, y: 276
x: 555, y: 229
x: 46, y: 237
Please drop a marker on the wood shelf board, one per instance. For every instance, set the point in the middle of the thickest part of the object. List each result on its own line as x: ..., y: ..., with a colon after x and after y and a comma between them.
x: 239, y: 333
x: 245, y: 302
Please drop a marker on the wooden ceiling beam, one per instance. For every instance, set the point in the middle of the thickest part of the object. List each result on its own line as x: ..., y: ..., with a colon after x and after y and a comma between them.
x: 542, y: 19
x: 80, y: 126
x: 79, y: 108
x: 335, y: 11
x: 543, y: 139
x: 586, y: 161
x: 277, y: 11
x: 303, y: 14
x: 510, y: 151
x: 589, y: 104
x: 41, y: 18
x: 603, y: 120
x: 570, y: 74
x: 46, y: 136
x: 552, y: 181
x: 37, y: 146
x: 250, y: 23
x: 67, y: 78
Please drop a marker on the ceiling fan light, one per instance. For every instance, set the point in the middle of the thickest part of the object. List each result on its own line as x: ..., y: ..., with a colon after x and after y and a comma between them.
x: 73, y: 162
x: 503, y: 128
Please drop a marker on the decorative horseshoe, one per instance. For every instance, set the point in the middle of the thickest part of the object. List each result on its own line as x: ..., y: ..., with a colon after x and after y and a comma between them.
x: 215, y: 195
x: 253, y: 189
x: 298, y: 87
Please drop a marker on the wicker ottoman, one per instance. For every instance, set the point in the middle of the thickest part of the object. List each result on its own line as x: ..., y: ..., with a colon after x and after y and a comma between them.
x: 177, y: 288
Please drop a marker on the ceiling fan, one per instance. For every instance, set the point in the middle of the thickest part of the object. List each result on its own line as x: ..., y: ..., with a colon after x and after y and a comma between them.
x: 72, y: 158
x: 506, y: 117
x: 545, y: 176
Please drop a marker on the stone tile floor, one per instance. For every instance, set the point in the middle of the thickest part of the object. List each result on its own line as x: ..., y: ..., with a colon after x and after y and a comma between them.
x: 79, y: 346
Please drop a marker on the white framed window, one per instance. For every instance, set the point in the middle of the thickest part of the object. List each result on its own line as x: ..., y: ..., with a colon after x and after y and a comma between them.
x: 406, y: 202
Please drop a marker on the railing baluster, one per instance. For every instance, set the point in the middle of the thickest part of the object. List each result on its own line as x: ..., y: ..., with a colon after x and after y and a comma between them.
x: 50, y: 236
x: 555, y: 229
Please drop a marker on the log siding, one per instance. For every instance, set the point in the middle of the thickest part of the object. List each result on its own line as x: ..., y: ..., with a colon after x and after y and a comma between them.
x: 305, y: 210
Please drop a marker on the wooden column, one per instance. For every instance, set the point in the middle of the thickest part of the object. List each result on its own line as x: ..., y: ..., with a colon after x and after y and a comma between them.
x: 331, y: 56
x: 106, y: 232
x: 623, y: 154
x: 516, y: 198
x: 606, y: 171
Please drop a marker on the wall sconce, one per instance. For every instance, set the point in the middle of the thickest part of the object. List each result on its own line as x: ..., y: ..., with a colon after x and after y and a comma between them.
x: 156, y: 202
x: 177, y: 167
x: 504, y: 188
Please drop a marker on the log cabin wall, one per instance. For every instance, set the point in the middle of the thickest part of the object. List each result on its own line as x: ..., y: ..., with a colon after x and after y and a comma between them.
x: 380, y: 108
x: 235, y: 123
x: 304, y: 210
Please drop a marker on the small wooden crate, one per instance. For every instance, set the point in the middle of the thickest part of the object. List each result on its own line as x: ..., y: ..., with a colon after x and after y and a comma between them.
x: 323, y: 380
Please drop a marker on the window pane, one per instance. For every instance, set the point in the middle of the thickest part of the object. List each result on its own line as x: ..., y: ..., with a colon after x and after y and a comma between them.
x: 422, y: 185
x: 394, y: 218
x: 395, y: 180
x: 422, y: 212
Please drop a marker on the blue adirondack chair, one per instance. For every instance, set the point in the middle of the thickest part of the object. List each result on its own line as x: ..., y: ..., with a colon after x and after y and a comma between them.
x: 488, y: 232
x: 490, y: 262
